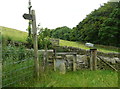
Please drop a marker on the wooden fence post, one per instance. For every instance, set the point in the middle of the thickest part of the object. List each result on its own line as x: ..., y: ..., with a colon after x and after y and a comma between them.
x: 45, y: 60
x: 34, y: 29
x: 54, y: 59
x: 74, y: 62
x: 93, y: 60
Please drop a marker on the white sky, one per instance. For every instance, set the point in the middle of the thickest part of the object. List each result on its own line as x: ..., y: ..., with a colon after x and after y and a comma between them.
x: 50, y: 13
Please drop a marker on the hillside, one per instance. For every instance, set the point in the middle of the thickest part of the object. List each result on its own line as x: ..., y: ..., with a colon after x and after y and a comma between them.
x: 13, y: 34
x: 101, y: 26
x: 19, y: 36
x: 101, y: 48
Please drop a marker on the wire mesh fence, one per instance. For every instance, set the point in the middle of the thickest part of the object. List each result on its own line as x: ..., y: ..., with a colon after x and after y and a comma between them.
x: 17, y: 65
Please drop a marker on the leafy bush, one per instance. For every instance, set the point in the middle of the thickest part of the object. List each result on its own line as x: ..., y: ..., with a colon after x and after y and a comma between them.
x: 44, y: 39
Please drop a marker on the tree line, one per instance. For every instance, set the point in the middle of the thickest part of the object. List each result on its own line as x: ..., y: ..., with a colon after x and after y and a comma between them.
x: 101, y: 26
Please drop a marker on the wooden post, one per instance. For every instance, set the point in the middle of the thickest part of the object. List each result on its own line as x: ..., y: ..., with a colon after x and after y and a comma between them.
x: 93, y: 60
x: 46, y: 51
x: 34, y: 29
x: 54, y: 60
x: 45, y: 58
x: 74, y: 62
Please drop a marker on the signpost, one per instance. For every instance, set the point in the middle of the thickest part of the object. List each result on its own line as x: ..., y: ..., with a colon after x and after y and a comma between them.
x: 27, y: 16
x: 31, y: 16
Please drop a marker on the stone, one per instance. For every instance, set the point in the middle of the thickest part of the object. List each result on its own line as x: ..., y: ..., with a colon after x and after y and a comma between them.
x: 81, y: 58
x: 69, y: 57
x: 113, y: 61
x: 117, y: 59
x: 62, y: 68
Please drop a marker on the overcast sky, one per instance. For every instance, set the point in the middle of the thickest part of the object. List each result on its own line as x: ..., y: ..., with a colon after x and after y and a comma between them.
x: 50, y: 13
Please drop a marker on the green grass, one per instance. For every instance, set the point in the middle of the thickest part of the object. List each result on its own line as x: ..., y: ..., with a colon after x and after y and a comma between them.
x: 72, y: 44
x: 15, y: 65
x: 105, y: 49
x: 13, y: 34
x: 83, y: 78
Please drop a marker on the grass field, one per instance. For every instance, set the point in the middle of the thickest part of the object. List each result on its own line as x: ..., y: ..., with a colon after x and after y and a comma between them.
x: 83, y: 78
x: 105, y: 49
x: 13, y: 34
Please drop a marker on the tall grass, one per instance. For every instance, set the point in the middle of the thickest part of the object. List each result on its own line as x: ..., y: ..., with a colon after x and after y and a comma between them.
x: 82, y: 78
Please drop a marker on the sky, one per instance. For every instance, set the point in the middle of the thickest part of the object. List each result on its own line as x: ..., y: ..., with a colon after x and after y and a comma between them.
x: 49, y: 13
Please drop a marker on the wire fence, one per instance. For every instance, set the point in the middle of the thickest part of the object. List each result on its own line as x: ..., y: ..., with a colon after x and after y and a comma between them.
x: 0, y: 59
x: 17, y: 65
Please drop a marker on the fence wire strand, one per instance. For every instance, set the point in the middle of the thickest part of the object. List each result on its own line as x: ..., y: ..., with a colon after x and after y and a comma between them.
x: 16, y: 66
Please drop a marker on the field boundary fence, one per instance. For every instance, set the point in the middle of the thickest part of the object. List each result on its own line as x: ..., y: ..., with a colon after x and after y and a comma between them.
x: 17, y: 66
x: 0, y: 60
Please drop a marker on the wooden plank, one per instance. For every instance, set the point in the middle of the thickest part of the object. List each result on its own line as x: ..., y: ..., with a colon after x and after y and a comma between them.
x: 107, y: 63
x: 44, y: 51
x: 34, y: 29
x: 66, y: 53
x: 59, y: 57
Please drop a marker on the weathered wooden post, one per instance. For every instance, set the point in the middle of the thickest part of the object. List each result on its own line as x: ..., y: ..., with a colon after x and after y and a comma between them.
x: 54, y: 59
x: 31, y: 17
x: 45, y: 58
x: 93, y: 60
x: 34, y: 29
x: 74, y: 62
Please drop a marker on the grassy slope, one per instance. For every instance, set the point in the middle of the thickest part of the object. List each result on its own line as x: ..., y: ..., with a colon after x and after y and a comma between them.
x: 13, y: 34
x: 19, y: 36
x: 83, y: 78
x: 101, y: 48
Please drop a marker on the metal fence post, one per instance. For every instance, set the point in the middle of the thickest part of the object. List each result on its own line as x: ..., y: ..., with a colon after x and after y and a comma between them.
x: 0, y: 58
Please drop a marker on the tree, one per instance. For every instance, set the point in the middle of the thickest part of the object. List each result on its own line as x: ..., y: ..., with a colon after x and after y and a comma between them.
x: 43, y: 38
x: 61, y: 33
